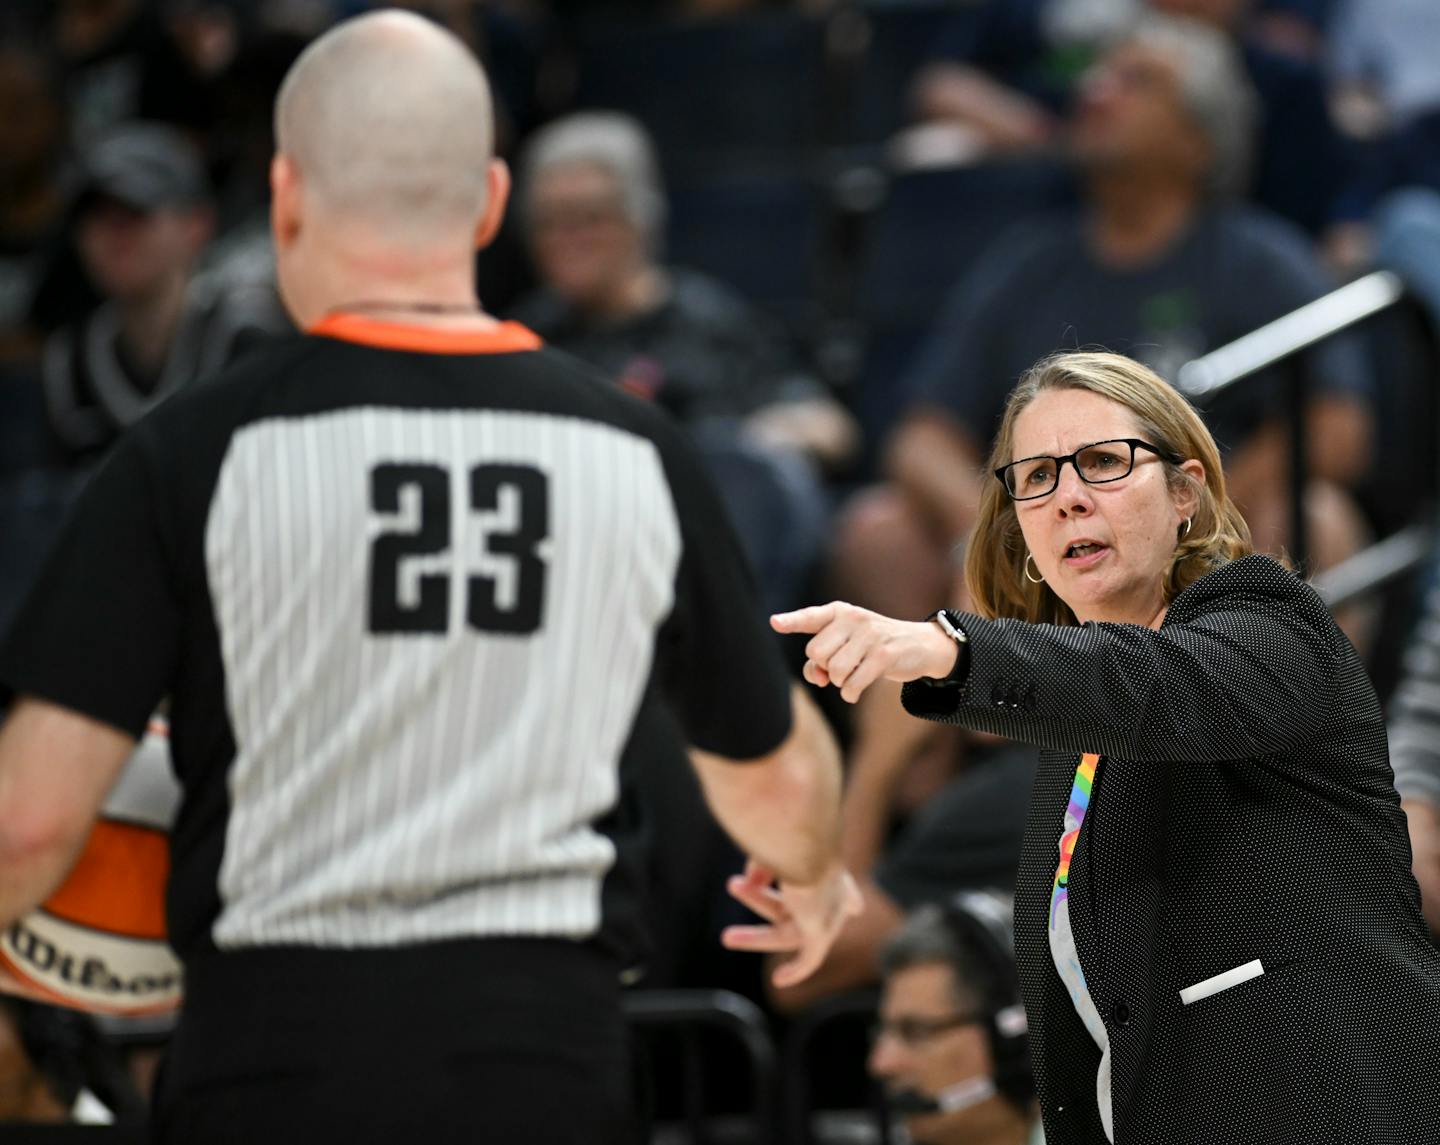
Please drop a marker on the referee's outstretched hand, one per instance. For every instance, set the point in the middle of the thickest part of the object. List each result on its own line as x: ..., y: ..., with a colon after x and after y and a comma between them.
x: 800, y: 920
x: 853, y: 647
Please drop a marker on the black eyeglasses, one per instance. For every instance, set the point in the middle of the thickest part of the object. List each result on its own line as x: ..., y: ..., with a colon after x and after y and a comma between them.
x: 915, y: 1032
x: 1097, y: 464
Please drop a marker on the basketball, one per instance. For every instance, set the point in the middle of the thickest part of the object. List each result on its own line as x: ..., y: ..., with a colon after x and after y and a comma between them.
x: 98, y: 943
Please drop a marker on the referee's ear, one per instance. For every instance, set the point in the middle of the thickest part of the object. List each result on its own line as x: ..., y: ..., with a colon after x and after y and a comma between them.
x: 497, y: 197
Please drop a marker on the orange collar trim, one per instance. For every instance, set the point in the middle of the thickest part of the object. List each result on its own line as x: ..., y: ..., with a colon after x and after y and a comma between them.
x: 506, y: 338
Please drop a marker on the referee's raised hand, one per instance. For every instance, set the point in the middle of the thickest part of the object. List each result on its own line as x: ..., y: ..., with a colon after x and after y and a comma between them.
x: 853, y: 647
x: 800, y: 919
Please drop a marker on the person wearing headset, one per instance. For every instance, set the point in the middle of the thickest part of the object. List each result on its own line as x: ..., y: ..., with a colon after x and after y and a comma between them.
x: 951, y: 1046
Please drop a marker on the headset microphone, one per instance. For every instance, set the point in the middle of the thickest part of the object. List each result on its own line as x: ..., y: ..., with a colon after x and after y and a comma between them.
x: 951, y: 1099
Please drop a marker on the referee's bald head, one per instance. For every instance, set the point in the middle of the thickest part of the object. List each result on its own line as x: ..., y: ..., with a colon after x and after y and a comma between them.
x: 387, y: 119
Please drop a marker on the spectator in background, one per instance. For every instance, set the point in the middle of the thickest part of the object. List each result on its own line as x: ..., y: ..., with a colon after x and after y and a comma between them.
x: 142, y: 218
x: 32, y: 205
x: 1382, y: 55
x: 1387, y: 96
x: 1415, y: 754
x: 239, y: 157
x: 1023, y: 82
x: 121, y: 63
x: 40, y: 282
x: 594, y: 209
x: 951, y: 1046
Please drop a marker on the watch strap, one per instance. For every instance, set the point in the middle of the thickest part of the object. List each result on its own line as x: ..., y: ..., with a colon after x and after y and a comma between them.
x: 949, y: 623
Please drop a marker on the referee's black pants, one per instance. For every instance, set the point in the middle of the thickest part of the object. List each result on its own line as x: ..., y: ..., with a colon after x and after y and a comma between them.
x: 504, y: 1041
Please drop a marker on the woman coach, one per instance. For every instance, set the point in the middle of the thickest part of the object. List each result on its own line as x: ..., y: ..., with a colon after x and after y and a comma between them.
x: 1218, y: 934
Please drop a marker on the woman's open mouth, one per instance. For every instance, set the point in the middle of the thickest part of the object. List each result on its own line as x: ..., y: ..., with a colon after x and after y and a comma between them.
x: 1083, y: 554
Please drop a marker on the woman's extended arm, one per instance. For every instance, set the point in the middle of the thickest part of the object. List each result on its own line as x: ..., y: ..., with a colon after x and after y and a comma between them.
x: 1253, y: 674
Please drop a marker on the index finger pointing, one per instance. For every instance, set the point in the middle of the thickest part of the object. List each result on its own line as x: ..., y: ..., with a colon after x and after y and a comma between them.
x: 809, y: 620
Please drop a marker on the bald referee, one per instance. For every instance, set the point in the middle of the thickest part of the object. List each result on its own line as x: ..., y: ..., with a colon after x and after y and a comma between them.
x: 408, y: 581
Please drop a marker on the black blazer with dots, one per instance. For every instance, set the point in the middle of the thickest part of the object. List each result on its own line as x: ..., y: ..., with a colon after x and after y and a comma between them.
x: 1243, y: 809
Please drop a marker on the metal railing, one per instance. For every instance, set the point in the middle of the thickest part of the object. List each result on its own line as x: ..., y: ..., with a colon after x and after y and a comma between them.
x: 784, y: 1086
x: 1277, y: 343
x: 685, y: 1013
x: 805, y: 1033
x: 1375, y: 567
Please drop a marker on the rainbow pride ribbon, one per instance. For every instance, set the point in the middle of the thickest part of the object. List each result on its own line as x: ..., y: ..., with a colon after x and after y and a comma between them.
x: 1074, y: 817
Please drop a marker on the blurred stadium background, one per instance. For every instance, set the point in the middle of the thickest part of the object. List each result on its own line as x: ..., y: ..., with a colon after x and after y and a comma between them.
x: 828, y: 184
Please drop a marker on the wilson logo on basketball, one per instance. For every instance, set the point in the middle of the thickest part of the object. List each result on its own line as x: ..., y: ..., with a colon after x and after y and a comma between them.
x: 52, y: 959
x: 99, y: 942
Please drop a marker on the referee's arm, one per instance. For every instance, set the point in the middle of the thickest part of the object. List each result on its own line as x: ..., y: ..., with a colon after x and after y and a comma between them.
x: 769, y: 768
x: 783, y: 809
x: 83, y: 665
x: 56, y: 767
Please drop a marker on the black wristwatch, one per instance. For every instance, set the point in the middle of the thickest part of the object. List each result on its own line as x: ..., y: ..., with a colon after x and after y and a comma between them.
x: 949, y: 624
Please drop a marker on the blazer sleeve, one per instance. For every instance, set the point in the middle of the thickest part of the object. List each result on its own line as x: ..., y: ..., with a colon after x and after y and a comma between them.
x: 1249, y: 675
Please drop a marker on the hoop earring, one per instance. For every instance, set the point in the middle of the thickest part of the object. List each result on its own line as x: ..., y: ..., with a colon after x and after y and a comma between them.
x: 1186, y: 533
x: 1026, y: 569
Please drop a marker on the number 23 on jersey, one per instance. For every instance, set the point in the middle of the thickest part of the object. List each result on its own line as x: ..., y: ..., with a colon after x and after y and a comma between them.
x: 509, y: 503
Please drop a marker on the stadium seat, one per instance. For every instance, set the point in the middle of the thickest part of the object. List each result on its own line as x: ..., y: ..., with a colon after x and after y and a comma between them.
x: 899, y: 39
x: 929, y: 229
x: 683, y: 81
x: 933, y: 224
x: 759, y: 232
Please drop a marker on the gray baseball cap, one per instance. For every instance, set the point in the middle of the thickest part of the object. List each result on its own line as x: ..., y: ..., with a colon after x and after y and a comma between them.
x: 148, y: 166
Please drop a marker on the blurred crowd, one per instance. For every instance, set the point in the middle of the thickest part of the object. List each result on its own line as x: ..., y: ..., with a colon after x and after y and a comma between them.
x: 826, y: 237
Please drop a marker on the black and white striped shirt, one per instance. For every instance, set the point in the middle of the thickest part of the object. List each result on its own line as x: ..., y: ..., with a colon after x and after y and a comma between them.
x: 407, y: 592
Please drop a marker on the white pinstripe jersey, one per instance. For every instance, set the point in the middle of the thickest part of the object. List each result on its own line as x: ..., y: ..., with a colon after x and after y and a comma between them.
x: 407, y: 592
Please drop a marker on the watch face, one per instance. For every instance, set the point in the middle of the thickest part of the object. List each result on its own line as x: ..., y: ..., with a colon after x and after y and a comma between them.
x: 942, y: 618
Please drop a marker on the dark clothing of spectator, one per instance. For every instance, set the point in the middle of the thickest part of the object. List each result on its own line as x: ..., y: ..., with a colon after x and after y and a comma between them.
x: 1407, y: 158
x: 23, y: 262
x: 1041, y: 289
x: 968, y: 836
x: 707, y: 358
x: 703, y: 354
x: 35, y: 493
x: 140, y: 73
x: 1314, y: 12
x: 62, y: 291
x: 94, y: 389
x: 1302, y: 163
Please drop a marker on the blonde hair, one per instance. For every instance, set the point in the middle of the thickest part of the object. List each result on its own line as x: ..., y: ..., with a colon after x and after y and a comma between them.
x: 995, y: 565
